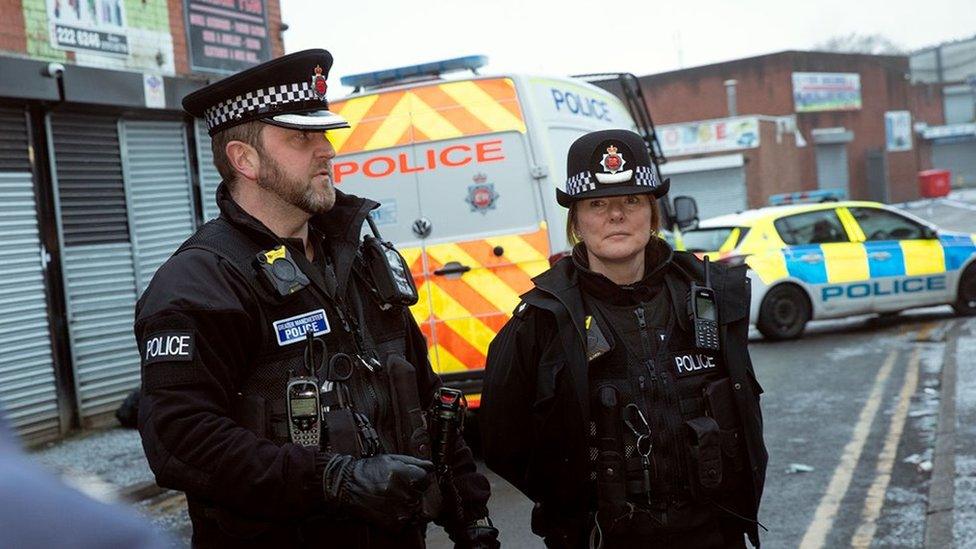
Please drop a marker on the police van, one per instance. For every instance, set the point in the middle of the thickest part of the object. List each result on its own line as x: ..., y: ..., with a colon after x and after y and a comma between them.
x: 465, y: 169
x: 834, y: 259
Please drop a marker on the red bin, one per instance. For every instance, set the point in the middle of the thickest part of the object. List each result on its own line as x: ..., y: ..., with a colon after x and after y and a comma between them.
x: 934, y: 183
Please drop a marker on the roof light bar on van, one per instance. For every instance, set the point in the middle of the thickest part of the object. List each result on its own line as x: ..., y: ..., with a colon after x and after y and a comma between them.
x: 413, y: 73
x: 808, y: 197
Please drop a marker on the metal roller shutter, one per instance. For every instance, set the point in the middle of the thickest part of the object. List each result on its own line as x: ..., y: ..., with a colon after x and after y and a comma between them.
x: 28, y: 391
x: 159, y: 187
x: 832, y: 166
x: 959, y: 158
x: 717, y: 192
x: 209, y: 178
x: 98, y: 270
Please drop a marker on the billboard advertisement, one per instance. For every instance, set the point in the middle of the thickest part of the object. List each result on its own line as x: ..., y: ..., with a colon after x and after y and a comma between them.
x: 88, y: 25
x: 707, y: 136
x: 226, y: 36
x: 826, y: 91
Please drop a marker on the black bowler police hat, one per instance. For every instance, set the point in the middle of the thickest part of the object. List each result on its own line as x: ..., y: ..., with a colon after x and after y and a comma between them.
x: 288, y: 91
x: 609, y: 163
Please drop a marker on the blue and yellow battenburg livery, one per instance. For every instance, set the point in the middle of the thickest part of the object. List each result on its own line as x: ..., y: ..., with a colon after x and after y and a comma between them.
x: 835, y: 259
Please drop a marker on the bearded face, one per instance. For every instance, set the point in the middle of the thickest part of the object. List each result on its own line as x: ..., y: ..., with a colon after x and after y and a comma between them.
x: 311, y: 192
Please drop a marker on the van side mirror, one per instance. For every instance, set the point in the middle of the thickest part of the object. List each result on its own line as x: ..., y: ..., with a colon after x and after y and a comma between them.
x: 685, y: 212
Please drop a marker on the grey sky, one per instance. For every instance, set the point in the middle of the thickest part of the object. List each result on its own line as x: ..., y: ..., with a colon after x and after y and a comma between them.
x: 572, y: 36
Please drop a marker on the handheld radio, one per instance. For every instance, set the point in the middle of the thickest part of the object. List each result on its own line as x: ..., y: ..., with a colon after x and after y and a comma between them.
x: 391, y: 274
x: 704, y: 313
x: 303, y: 400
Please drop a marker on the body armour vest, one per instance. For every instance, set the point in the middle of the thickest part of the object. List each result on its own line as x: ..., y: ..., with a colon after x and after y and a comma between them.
x: 357, y: 326
x: 672, y: 420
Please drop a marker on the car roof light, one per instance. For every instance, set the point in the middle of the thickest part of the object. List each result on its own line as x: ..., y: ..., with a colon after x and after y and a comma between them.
x: 808, y: 197
x: 412, y: 73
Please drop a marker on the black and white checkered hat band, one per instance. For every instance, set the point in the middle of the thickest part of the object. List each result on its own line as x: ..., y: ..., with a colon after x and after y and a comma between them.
x: 644, y: 175
x: 236, y: 108
x: 579, y: 183
x: 583, y: 181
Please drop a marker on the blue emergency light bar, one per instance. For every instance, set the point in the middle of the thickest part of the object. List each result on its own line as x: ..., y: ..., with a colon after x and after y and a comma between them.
x: 808, y: 197
x: 434, y: 69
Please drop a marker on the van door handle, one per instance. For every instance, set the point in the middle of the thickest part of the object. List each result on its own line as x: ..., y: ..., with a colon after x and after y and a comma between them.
x: 880, y: 256
x: 452, y: 267
x: 811, y: 258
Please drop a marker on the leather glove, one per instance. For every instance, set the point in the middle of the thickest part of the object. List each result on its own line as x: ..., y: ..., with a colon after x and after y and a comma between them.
x: 479, y: 534
x: 384, y: 490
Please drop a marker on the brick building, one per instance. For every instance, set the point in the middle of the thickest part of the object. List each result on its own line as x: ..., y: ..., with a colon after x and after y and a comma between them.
x: 944, y: 95
x: 101, y: 177
x: 821, y: 120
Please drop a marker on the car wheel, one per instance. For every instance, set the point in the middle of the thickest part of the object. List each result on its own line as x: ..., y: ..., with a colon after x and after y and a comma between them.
x: 966, y: 298
x: 784, y: 313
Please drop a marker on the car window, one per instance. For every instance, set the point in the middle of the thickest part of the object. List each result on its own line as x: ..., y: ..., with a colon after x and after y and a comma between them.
x: 879, y: 224
x: 818, y: 227
x: 710, y: 239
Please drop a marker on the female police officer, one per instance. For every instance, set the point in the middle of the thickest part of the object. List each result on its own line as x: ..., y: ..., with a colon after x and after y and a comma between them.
x: 630, y: 417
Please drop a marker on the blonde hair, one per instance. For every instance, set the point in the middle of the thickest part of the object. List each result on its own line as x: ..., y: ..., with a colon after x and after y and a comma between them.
x: 573, y: 237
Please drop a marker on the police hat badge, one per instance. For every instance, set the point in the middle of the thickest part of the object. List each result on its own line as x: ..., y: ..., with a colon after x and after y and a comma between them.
x: 319, y: 86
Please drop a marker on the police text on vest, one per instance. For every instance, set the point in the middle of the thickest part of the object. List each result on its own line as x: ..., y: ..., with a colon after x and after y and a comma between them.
x: 693, y: 363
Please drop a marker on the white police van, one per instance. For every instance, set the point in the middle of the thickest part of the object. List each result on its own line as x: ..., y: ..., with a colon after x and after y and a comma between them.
x: 466, y: 169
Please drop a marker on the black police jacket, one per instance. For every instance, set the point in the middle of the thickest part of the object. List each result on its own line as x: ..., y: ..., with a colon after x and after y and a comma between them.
x: 246, y: 486
x: 535, y: 401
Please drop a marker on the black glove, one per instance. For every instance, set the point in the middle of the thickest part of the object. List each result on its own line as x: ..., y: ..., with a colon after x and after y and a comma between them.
x: 384, y: 490
x: 479, y: 534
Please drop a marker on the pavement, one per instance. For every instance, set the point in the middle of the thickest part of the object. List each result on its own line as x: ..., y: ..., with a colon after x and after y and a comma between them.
x: 109, y: 464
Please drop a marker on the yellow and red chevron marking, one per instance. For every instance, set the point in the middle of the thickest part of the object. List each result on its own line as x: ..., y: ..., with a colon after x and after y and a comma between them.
x: 427, y: 113
x: 460, y: 316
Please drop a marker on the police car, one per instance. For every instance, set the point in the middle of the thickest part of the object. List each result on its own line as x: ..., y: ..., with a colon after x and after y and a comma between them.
x: 828, y: 260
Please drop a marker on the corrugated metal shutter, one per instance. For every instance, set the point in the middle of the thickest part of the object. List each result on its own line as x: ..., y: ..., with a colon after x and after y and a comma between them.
x: 209, y: 178
x: 28, y: 391
x: 832, y: 166
x: 13, y: 141
x: 959, y: 159
x: 157, y: 175
x: 717, y: 192
x: 98, y: 271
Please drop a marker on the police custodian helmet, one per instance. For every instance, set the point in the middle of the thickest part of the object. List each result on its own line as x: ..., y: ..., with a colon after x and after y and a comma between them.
x: 288, y: 91
x: 609, y: 163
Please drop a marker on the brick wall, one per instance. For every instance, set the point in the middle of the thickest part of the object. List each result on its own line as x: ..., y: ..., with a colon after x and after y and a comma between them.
x: 774, y: 167
x: 274, y: 27
x: 764, y: 86
x: 13, y: 34
x: 156, y: 32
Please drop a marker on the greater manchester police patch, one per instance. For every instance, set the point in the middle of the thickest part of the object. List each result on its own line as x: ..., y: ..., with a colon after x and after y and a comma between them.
x: 293, y: 329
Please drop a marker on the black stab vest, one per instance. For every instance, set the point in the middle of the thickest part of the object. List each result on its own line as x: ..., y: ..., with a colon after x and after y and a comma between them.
x: 654, y: 364
x: 261, y: 383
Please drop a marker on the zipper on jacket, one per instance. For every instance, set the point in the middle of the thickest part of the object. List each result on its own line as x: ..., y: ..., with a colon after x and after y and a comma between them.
x: 642, y: 324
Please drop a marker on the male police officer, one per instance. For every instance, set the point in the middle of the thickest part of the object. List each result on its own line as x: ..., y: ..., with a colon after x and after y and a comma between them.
x: 264, y: 306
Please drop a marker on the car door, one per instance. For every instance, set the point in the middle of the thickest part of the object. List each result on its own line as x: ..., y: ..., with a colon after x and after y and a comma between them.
x: 821, y: 253
x: 905, y: 258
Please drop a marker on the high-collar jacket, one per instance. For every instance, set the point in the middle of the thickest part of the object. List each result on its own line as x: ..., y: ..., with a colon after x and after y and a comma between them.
x: 535, y: 403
